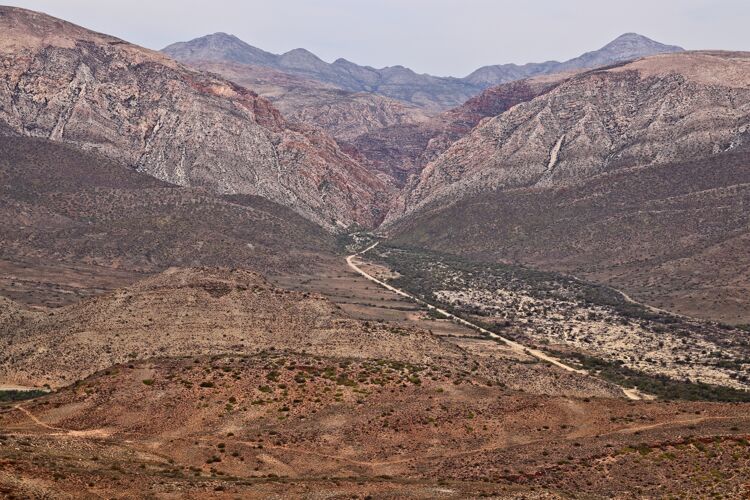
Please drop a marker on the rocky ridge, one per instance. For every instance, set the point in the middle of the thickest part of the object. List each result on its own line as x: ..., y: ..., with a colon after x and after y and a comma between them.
x: 657, y: 110
x: 623, y: 48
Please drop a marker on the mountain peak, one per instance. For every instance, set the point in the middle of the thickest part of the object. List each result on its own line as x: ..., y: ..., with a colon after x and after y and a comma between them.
x: 221, y: 35
x: 634, y: 40
x: 300, y: 53
x: 633, y: 35
x: 303, y: 60
x: 219, y: 46
x: 623, y: 48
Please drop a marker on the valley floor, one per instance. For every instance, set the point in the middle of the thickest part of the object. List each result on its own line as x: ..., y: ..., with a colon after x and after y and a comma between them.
x: 478, y: 417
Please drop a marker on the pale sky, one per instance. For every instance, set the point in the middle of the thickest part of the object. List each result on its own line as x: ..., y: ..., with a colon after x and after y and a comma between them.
x: 441, y: 37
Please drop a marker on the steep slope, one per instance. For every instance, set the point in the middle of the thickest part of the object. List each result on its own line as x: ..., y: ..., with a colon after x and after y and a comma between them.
x: 73, y: 222
x: 657, y: 110
x: 623, y: 48
x: 65, y: 83
x: 627, y: 174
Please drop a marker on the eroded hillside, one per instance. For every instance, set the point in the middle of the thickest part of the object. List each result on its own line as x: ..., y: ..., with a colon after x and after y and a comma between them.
x: 141, y: 108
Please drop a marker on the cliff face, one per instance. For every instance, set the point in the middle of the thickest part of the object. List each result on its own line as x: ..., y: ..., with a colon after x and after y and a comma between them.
x: 65, y: 83
x: 658, y: 110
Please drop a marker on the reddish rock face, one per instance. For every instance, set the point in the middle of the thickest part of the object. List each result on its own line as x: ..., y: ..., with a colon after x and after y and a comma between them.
x: 65, y: 83
x: 403, y: 149
x: 343, y: 114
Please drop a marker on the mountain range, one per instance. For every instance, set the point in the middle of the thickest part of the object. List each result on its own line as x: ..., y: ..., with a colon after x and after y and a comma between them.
x: 385, y: 117
x: 396, y: 162
x: 425, y: 91
x: 354, y: 156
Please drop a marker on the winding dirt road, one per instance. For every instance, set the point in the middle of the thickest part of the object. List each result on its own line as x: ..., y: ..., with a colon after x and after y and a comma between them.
x: 515, y: 346
x: 95, y: 433
x: 37, y: 421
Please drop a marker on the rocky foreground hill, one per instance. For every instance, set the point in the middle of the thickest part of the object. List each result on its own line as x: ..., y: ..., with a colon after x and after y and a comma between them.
x: 187, y: 312
x: 65, y: 83
x: 280, y: 424
x: 213, y: 382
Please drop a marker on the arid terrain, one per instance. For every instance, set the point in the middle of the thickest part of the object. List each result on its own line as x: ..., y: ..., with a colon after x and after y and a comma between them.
x: 230, y: 273
x: 280, y: 423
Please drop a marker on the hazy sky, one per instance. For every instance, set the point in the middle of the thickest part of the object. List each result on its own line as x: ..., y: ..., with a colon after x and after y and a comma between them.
x: 442, y: 37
